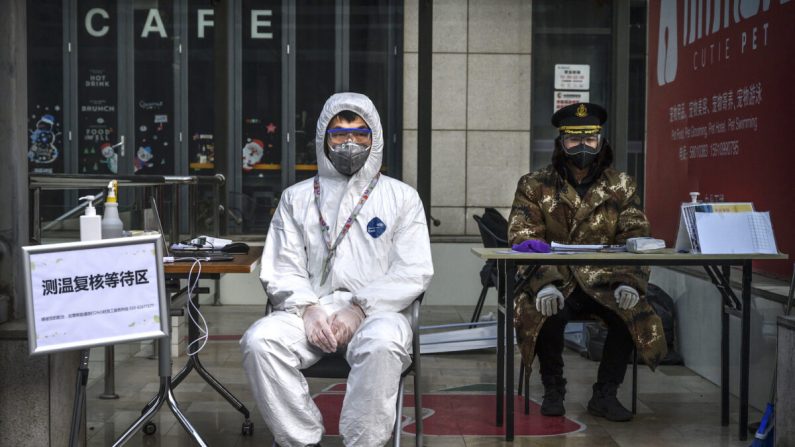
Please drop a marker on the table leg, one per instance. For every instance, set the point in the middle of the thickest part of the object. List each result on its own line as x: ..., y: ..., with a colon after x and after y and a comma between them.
x: 724, y: 366
x: 193, y: 336
x: 510, y: 274
x: 501, y: 300
x: 729, y: 305
x: 745, y: 350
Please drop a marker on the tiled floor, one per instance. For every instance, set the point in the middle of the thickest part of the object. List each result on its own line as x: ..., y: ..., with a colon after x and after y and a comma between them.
x: 676, y: 407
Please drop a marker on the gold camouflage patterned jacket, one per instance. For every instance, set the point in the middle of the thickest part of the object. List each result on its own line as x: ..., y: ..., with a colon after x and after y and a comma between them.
x: 546, y: 207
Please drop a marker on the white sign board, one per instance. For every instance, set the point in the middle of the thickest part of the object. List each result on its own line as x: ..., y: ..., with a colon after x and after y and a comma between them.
x: 563, y: 99
x: 85, y: 294
x: 572, y: 77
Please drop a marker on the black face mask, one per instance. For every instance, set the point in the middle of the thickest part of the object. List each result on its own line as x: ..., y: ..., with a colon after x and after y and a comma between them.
x: 583, y: 157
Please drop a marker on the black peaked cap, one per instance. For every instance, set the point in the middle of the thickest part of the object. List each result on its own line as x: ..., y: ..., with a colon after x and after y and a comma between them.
x: 580, y: 114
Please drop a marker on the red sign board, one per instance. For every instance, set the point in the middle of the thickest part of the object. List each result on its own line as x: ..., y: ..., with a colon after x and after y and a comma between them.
x: 720, y: 109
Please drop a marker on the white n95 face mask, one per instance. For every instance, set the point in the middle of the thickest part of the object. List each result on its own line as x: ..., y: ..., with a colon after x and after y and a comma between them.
x: 348, y: 157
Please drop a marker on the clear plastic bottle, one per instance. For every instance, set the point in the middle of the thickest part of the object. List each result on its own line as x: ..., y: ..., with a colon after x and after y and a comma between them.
x: 112, y: 226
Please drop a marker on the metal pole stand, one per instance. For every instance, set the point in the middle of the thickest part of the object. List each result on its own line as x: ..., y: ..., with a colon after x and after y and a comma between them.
x: 165, y: 393
x: 80, y: 397
x: 110, y: 374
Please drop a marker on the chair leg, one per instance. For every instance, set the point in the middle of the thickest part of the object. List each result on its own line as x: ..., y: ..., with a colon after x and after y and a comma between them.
x: 526, y: 379
x: 479, y: 305
x: 521, y: 374
x: 635, y: 381
x: 399, y: 416
x: 418, y: 406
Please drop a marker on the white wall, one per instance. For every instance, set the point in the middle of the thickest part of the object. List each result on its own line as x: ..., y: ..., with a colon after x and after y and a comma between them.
x: 698, y: 307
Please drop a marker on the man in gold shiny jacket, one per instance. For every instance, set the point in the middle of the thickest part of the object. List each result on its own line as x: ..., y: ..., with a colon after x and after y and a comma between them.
x: 580, y: 199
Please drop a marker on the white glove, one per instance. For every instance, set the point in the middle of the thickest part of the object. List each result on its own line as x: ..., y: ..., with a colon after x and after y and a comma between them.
x: 626, y: 297
x: 318, y: 330
x: 344, y: 323
x: 549, y: 300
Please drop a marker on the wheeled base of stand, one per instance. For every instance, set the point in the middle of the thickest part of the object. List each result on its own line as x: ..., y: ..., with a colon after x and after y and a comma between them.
x: 164, y: 394
x: 247, y: 428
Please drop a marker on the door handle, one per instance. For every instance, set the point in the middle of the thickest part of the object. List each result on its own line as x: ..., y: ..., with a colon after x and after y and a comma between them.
x: 120, y: 145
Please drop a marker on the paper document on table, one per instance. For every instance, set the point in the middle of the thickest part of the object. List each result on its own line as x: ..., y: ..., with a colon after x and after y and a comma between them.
x: 584, y: 248
x: 737, y: 232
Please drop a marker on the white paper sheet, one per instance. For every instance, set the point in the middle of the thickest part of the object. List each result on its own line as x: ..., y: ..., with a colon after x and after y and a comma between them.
x: 743, y: 232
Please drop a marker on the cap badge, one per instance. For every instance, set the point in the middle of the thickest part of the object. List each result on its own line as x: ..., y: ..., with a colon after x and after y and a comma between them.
x: 582, y: 112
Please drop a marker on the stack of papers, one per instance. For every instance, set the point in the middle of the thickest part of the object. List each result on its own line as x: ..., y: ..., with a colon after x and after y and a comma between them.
x: 724, y: 228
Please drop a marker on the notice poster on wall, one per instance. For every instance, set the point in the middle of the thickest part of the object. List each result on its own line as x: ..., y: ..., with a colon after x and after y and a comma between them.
x: 572, y: 76
x: 98, y: 114
x: 563, y: 99
x: 720, y: 106
x: 84, y: 294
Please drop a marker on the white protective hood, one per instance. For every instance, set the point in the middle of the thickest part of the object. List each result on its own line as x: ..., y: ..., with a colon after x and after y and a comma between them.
x: 384, y: 260
x: 362, y: 106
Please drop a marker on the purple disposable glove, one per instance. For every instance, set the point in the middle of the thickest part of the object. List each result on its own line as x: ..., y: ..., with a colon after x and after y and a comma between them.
x: 532, y: 246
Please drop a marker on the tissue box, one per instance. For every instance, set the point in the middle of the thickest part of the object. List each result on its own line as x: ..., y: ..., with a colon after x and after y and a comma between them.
x: 644, y: 244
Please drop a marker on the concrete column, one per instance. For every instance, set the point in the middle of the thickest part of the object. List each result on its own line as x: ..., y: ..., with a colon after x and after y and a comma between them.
x: 785, y: 385
x: 36, y: 393
x: 13, y: 135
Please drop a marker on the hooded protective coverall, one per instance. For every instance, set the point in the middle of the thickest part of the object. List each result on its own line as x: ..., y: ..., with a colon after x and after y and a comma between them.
x: 382, y: 264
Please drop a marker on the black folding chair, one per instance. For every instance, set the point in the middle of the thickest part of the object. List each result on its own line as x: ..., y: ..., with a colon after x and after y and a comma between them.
x: 494, y: 234
x: 334, y: 366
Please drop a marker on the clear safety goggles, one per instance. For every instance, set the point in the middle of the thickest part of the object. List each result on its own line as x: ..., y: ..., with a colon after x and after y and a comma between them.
x: 344, y: 134
x: 574, y: 144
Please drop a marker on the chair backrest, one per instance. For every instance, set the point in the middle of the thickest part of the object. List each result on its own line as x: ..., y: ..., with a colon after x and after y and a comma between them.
x: 493, y: 228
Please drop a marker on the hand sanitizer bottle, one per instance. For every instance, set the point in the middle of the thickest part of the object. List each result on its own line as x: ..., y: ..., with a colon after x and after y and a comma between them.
x: 112, y: 226
x: 90, y: 223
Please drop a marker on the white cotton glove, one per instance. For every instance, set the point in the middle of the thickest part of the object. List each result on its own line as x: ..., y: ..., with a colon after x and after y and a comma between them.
x: 318, y: 330
x: 549, y: 300
x: 626, y: 297
x: 344, y: 323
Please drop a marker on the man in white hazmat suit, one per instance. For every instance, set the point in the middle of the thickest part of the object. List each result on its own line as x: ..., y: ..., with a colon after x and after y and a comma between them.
x: 335, y: 286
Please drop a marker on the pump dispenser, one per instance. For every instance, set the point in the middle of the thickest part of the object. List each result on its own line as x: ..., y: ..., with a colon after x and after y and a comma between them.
x: 90, y: 223
x: 112, y: 226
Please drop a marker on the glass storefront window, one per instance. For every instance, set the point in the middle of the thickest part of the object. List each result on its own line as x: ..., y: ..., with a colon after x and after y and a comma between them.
x: 560, y: 37
x: 45, y: 87
x: 45, y: 97
x: 369, y: 61
x: 315, y: 71
x: 125, y: 75
x: 201, y: 87
x: 153, y: 27
x: 636, y: 125
x: 97, y: 85
x: 261, y: 103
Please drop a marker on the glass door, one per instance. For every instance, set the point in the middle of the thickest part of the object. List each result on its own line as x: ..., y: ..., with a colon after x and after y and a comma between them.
x: 153, y: 91
x: 315, y: 77
x: 47, y: 134
x: 260, y: 116
x: 97, y: 107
